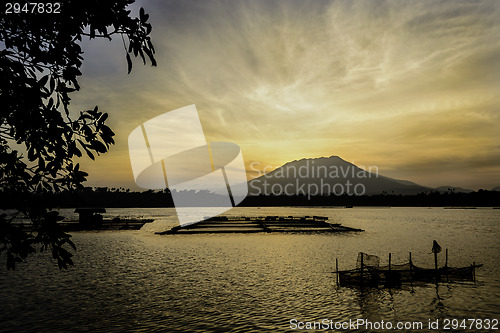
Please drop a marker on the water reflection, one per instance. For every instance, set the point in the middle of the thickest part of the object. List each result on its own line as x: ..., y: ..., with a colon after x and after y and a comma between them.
x: 434, y: 300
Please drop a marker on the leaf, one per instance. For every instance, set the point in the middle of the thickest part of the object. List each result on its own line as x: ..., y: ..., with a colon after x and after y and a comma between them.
x: 106, y: 131
x: 151, y: 46
x: 41, y: 164
x: 47, y: 186
x: 135, y: 48
x: 142, y: 56
x: 151, y: 57
x: 129, y: 63
x: 89, y: 153
x: 52, y: 84
x: 77, y: 152
x: 98, y: 146
x: 31, y: 153
x: 141, y: 14
x: 103, y: 117
x: 73, y: 246
x: 75, y: 83
x: 43, y: 80
x: 94, y: 113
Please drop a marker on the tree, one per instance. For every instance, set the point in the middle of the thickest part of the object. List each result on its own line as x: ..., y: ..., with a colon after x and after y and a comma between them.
x: 40, y: 60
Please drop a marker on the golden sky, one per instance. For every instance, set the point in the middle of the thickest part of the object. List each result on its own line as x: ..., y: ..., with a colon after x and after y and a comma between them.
x: 411, y: 87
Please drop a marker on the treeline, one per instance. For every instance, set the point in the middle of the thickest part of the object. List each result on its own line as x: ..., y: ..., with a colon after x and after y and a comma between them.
x: 91, y: 197
x: 124, y: 198
x: 481, y: 198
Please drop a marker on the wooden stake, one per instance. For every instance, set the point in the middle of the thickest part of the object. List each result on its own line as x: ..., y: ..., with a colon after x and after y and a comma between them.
x: 474, y: 272
x: 436, y: 265
x: 337, y: 269
x: 362, y: 268
x: 411, y: 272
x: 446, y: 265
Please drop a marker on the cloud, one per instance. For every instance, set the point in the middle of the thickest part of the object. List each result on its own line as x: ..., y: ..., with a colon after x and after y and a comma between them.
x: 291, y: 79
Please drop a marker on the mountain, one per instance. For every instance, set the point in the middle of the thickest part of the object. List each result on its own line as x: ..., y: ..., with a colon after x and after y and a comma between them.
x: 326, y: 175
x: 455, y: 189
x: 496, y: 188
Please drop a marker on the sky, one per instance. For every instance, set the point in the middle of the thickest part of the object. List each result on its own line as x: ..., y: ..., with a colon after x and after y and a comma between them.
x: 410, y: 87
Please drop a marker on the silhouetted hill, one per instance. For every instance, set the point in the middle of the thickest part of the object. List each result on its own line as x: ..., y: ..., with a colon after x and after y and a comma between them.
x: 496, y: 188
x: 327, y: 175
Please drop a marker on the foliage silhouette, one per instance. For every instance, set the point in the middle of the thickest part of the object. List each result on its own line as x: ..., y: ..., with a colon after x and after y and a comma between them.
x: 40, y: 60
x: 124, y: 198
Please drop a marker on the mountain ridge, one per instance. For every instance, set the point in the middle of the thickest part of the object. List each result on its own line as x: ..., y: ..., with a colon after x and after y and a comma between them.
x: 327, y: 175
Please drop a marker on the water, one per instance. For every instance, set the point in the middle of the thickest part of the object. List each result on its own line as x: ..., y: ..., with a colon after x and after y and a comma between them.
x: 138, y: 281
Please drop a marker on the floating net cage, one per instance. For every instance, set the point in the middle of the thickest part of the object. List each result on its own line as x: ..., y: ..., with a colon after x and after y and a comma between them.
x: 369, y: 272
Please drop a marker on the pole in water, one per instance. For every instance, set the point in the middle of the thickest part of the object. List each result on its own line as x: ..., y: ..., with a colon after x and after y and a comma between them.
x: 337, y: 269
x: 446, y: 265
x: 388, y: 276
x: 411, y: 272
x: 361, y: 268
x: 474, y: 272
x: 436, y: 264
